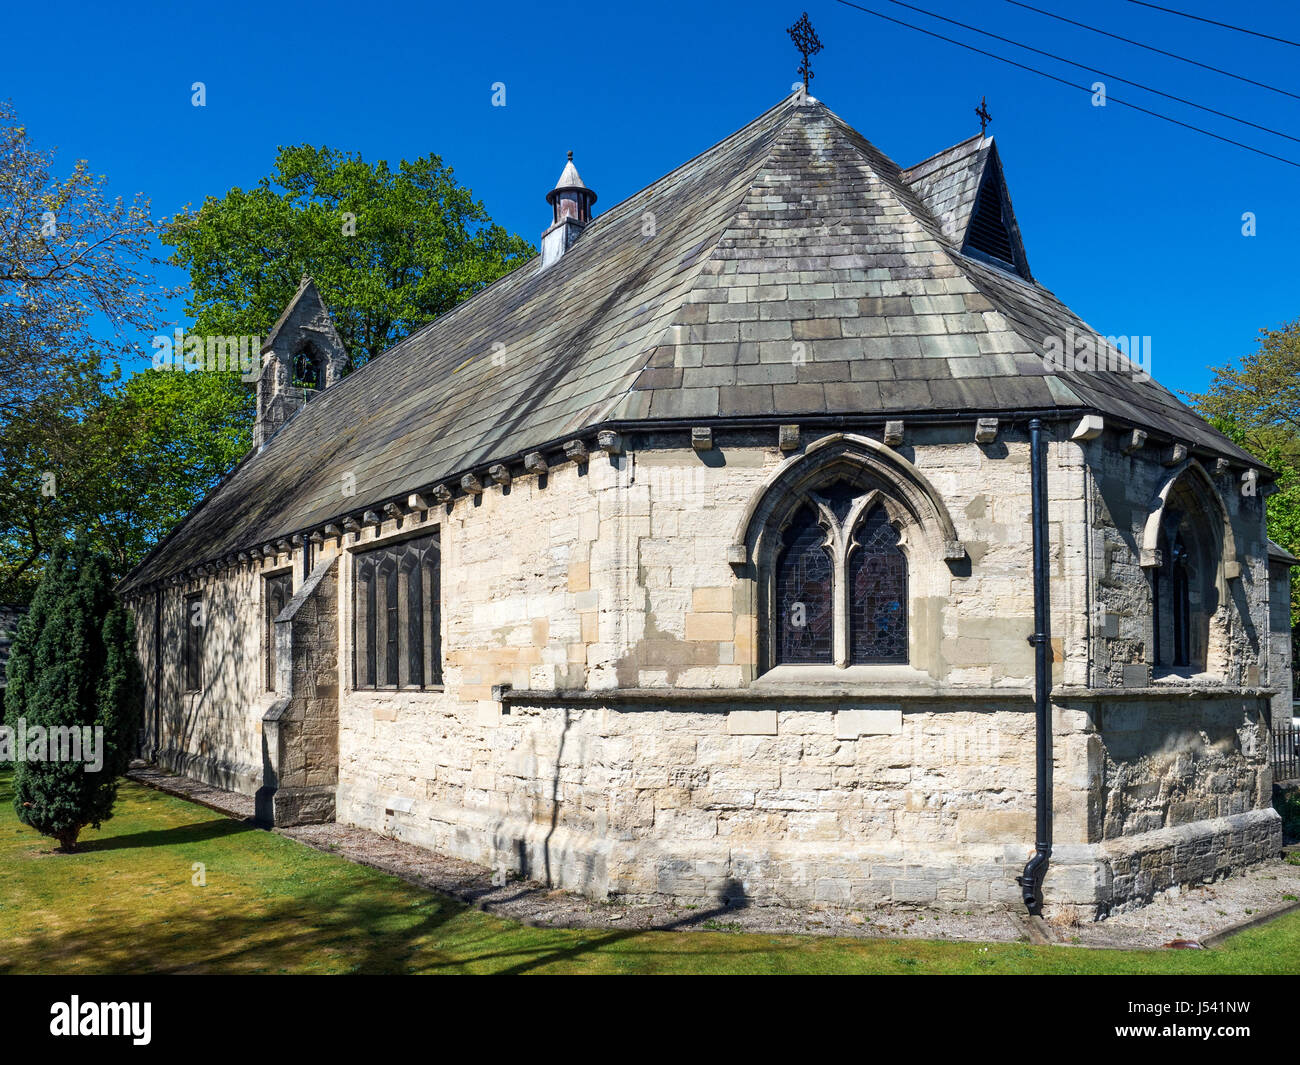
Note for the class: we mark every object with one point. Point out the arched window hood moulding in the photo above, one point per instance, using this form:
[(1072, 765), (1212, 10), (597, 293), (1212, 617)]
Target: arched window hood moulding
[(865, 455), (1202, 487)]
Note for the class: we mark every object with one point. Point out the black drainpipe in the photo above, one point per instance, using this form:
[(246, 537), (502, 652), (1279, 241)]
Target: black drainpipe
[(1031, 880)]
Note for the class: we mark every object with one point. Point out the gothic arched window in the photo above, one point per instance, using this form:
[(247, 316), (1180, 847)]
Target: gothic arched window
[(839, 587)]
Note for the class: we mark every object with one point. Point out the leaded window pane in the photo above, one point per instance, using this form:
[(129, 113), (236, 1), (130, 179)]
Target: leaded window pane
[(279, 590), (413, 607), (433, 617), (388, 575), (804, 580), (1179, 564), (877, 578), (366, 625), (396, 603)]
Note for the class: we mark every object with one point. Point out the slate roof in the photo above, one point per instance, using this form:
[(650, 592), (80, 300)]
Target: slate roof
[(794, 230), (946, 183), (1278, 553)]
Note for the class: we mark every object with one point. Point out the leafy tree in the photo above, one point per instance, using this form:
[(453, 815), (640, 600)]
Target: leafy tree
[(75, 295), (125, 460), (1260, 397), (390, 250), (138, 461), (73, 664), (68, 253), (153, 449)]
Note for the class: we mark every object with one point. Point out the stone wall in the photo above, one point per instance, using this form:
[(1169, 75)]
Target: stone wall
[(300, 732), (1165, 778), (1121, 491), (1156, 790), (214, 734), (614, 577), (924, 801), (1281, 667), (603, 724)]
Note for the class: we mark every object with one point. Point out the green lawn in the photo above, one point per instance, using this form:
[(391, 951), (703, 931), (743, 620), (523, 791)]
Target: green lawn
[(125, 904)]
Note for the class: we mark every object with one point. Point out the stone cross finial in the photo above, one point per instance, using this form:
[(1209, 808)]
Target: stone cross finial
[(806, 40)]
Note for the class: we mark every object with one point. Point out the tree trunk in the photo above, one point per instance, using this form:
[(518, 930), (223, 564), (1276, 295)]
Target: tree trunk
[(68, 839)]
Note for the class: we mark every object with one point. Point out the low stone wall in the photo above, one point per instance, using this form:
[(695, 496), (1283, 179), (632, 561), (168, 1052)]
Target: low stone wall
[(921, 801), (1166, 787)]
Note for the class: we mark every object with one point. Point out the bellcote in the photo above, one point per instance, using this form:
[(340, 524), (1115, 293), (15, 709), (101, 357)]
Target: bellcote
[(302, 355)]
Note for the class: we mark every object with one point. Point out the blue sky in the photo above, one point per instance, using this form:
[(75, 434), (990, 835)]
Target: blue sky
[(1135, 223)]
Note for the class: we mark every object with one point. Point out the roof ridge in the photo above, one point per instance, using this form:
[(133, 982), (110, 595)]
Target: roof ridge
[(907, 197), (785, 101)]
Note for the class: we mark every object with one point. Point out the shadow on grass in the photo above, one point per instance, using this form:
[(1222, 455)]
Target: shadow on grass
[(365, 927), (353, 929), (217, 828)]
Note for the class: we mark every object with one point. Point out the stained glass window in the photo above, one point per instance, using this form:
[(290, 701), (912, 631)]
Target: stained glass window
[(804, 581), (877, 579), (396, 624)]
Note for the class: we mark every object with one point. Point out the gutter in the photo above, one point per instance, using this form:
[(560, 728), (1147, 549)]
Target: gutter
[(1031, 880)]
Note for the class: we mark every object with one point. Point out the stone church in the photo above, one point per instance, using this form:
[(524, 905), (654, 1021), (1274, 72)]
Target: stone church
[(699, 557)]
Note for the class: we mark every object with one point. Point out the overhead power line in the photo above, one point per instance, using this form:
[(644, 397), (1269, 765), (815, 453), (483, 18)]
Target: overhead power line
[(1224, 25), (1158, 51), (1096, 70), (1071, 85)]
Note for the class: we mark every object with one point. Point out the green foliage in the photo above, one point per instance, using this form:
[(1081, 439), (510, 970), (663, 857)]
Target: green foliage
[(124, 470), (72, 258), (1261, 395), (389, 250), (125, 461), (156, 447), (73, 664)]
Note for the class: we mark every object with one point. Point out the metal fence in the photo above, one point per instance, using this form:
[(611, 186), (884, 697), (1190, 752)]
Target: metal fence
[(1285, 753)]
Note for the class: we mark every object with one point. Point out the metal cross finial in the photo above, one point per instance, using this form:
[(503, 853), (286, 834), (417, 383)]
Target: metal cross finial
[(806, 40), (984, 116)]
